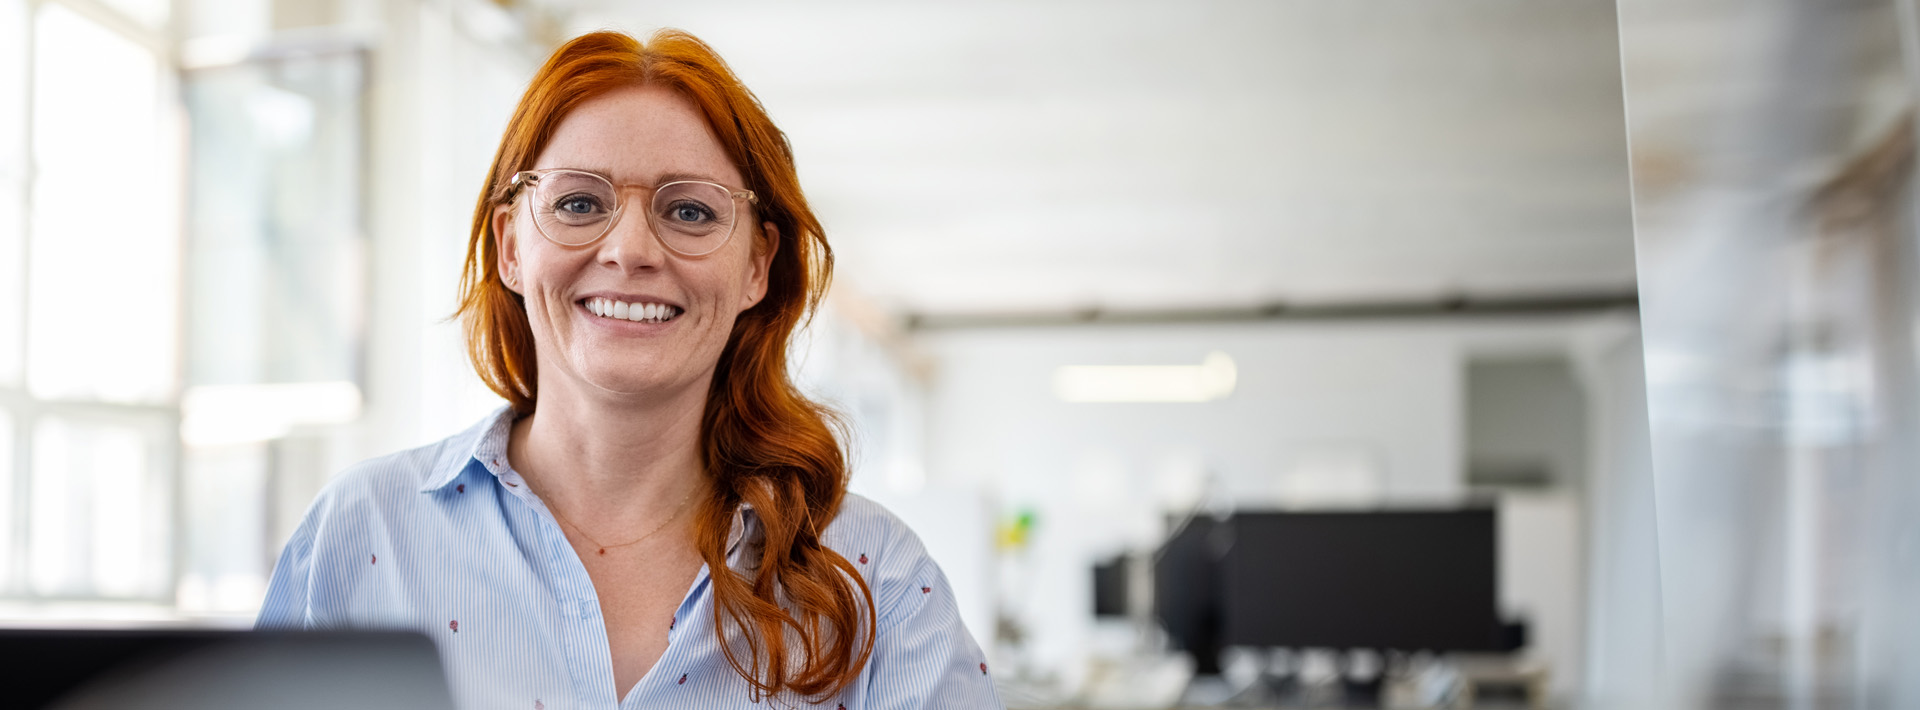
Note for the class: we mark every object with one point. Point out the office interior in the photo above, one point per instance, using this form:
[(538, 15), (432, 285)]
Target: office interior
[(1618, 296)]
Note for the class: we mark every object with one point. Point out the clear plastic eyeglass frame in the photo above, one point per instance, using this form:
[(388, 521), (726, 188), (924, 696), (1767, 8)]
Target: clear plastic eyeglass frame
[(688, 217)]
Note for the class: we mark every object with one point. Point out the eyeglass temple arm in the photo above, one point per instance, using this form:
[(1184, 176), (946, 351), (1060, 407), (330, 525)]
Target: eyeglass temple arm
[(522, 179)]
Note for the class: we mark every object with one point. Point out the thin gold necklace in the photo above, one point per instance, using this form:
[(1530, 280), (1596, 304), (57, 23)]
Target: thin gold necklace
[(677, 510)]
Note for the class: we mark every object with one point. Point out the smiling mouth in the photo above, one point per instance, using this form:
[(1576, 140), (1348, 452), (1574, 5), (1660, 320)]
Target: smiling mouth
[(636, 312)]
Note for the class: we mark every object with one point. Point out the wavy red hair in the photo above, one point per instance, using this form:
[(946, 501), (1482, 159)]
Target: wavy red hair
[(802, 621)]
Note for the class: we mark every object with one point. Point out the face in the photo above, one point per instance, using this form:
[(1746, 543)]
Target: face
[(643, 136)]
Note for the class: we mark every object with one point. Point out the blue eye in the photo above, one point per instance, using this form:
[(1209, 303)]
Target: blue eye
[(578, 204), (691, 212)]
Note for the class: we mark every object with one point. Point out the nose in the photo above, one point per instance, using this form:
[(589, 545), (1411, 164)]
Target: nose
[(630, 243)]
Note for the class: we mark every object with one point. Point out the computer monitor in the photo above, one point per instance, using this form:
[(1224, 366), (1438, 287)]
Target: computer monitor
[(1386, 579), (1110, 586), (1186, 590)]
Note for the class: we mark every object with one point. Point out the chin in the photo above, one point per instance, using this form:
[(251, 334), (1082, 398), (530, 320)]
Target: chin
[(626, 381), (635, 375)]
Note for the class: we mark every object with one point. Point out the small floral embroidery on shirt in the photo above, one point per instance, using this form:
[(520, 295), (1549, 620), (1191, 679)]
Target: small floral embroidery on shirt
[(461, 488), (455, 625), (983, 669), (373, 559), (926, 590), (683, 679), (537, 705), (863, 558), (840, 706)]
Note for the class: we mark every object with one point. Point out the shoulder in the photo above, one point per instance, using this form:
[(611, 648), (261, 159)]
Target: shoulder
[(381, 512), (388, 484), (393, 474), (864, 527), (928, 657), (887, 553)]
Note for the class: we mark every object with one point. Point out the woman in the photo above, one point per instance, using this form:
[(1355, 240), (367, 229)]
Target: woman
[(658, 518)]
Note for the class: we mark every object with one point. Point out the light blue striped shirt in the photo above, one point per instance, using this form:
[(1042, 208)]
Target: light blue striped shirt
[(447, 539)]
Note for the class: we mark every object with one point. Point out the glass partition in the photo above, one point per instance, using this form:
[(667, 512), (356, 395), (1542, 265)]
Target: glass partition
[(1773, 147)]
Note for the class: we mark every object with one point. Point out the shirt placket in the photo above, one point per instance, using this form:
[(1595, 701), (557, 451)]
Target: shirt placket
[(583, 635), (662, 685), (666, 685)]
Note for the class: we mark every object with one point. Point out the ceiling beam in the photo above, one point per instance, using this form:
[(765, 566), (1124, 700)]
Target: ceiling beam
[(1448, 307)]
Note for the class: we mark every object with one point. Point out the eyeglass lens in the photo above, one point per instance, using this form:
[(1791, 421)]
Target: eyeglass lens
[(575, 208)]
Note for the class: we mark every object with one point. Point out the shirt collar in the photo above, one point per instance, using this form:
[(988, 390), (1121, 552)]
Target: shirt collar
[(484, 444), (744, 522), (488, 448), (746, 542)]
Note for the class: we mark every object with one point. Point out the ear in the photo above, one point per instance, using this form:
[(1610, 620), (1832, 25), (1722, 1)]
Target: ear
[(761, 263), (507, 255)]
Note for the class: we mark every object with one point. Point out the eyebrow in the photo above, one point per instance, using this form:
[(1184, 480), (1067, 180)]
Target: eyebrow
[(664, 178)]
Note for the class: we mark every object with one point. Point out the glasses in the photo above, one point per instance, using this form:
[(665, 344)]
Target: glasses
[(575, 208)]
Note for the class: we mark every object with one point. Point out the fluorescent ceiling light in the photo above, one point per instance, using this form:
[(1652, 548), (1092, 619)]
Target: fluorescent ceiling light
[(1212, 379)]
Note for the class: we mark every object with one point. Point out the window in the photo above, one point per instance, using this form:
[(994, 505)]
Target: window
[(90, 327)]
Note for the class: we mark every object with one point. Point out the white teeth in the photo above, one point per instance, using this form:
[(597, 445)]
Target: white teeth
[(638, 312)]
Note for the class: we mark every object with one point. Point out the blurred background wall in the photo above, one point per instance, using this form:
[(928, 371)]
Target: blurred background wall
[(236, 227)]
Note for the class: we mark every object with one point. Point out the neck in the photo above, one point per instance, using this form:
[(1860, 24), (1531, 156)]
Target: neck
[(610, 466)]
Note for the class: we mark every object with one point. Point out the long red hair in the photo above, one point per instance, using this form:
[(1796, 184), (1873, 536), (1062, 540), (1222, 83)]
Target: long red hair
[(802, 621)]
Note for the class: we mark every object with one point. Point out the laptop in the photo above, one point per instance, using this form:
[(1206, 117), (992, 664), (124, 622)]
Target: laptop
[(211, 669)]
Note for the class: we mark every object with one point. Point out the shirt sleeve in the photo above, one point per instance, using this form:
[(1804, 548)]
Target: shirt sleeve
[(287, 605), (923, 657)]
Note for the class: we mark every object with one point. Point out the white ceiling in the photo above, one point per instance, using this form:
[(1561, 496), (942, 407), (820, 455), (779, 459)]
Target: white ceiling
[(993, 157)]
